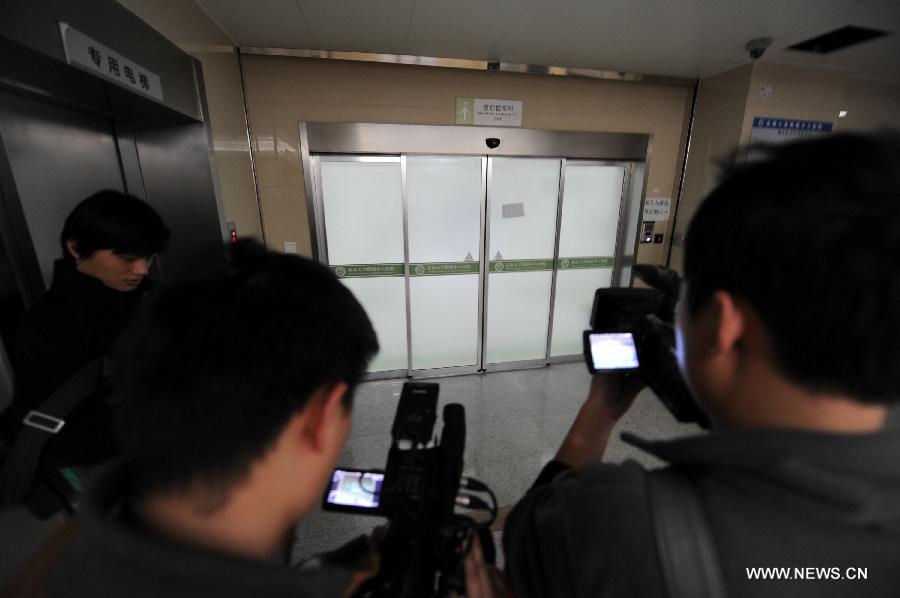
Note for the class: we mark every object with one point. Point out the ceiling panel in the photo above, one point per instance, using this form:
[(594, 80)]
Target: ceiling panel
[(359, 25), (269, 24), (615, 35), (463, 28)]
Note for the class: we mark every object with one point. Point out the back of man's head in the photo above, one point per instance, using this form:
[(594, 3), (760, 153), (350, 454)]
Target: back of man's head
[(810, 237), (114, 220), (213, 369)]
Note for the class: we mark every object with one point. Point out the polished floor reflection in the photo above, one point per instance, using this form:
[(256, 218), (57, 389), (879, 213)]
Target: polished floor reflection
[(515, 422)]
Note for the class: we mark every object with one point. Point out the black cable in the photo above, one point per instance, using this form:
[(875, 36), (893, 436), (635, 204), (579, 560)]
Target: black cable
[(473, 484)]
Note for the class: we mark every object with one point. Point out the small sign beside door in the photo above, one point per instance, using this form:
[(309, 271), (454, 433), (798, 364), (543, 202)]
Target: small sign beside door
[(657, 208), (488, 112)]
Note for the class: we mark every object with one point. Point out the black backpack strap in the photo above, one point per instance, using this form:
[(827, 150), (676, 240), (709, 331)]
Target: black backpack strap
[(687, 553), (38, 426)]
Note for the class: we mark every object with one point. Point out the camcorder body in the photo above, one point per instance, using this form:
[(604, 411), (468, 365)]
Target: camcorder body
[(648, 315), (423, 551)]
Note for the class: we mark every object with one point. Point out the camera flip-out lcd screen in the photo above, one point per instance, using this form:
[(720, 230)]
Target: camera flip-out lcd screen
[(354, 490), (612, 351)]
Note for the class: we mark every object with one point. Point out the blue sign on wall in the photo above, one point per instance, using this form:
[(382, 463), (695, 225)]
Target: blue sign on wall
[(791, 126), (769, 130)]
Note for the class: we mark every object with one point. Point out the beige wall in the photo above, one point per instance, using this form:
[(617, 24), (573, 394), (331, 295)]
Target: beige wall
[(282, 91), (718, 116), (819, 94), (727, 104), (191, 29)]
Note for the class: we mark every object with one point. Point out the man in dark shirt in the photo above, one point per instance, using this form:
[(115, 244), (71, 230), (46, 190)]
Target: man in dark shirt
[(235, 391), (108, 243), (787, 332)]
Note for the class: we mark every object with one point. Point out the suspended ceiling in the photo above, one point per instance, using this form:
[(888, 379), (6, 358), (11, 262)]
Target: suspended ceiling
[(676, 38)]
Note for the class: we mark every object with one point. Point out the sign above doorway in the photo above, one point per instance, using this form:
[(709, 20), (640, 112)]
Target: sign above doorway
[(497, 113)]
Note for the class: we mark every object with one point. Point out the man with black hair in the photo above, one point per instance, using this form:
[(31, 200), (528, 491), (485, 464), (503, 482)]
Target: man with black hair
[(108, 243), (787, 332), (235, 397)]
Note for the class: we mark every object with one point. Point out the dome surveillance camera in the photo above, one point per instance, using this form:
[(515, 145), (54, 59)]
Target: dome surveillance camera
[(757, 47), (492, 142)]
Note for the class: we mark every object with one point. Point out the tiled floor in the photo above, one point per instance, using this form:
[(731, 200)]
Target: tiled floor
[(515, 422)]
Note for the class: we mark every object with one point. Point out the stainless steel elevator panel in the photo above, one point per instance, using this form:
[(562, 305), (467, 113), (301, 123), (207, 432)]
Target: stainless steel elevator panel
[(58, 157)]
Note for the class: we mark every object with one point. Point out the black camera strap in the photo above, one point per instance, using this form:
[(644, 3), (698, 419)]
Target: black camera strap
[(687, 553), (17, 473)]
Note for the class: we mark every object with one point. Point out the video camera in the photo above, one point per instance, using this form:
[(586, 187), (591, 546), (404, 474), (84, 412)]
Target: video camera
[(632, 330), (427, 541)]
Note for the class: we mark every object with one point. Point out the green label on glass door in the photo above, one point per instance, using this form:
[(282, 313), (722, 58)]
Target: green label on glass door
[(577, 263), (443, 268), (501, 266), (367, 270)]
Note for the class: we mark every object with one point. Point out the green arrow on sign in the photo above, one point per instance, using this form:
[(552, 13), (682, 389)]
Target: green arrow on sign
[(465, 111)]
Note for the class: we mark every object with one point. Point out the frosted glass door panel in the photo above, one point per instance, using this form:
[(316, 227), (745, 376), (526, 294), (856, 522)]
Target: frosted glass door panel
[(384, 300), (443, 208), (444, 313), (572, 308), (363, 211), (524, 194), (590, 210), (523, 202), (518, 304), (587, 245), (444, 215)]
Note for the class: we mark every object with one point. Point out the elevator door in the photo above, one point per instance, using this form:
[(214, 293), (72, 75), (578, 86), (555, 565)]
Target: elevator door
[(57, 157)]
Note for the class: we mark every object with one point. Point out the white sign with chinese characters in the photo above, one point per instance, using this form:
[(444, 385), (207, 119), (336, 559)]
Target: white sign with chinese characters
[(94, 57), (498, 113), (657, 208)]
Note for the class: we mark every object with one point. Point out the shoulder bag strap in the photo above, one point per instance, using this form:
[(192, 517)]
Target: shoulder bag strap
[(687, 553), (37, 428)]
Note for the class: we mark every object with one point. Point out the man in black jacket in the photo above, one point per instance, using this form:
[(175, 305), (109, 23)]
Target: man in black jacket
[(235, 402), (787, 331), (108, 243)]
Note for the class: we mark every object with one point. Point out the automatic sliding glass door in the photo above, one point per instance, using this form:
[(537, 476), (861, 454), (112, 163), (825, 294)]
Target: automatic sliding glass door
[(468, 262), (590, 207), (445, 198), (362, 207), (523, 197)]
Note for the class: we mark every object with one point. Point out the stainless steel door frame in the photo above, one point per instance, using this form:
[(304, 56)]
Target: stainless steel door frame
[(620, 232), (483, 265), (403, 199), (381, 139), (457, 370), (559, 209), (485, 261)]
